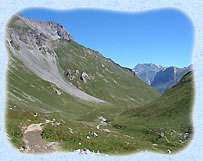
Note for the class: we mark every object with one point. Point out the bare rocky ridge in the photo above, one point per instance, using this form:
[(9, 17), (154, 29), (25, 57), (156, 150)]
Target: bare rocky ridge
[(48, 30), (35, 50)]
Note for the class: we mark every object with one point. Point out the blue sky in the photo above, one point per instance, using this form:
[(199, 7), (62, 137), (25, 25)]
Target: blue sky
[(163, 37)]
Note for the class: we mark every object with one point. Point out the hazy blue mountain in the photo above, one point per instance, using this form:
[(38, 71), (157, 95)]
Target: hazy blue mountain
[(168, 77), (159, 77), (147, 72)]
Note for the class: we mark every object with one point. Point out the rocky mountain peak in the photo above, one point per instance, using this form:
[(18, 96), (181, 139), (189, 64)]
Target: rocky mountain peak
[(60, 30), (48, 30)]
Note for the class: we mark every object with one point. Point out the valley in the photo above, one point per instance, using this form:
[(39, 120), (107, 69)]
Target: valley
[(78, 99)]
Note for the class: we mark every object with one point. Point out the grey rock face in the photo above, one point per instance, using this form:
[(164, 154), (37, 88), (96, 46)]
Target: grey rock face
[(85, 77), (48, 30)]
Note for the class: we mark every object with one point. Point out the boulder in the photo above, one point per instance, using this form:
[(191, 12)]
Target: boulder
[(93, 134), (77, 72), (57, 91), (168, 151), (161, 135), (106, 130), (69, 75), (85, 77)]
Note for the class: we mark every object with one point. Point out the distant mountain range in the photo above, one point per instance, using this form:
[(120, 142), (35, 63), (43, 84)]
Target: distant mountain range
[(159, 77)]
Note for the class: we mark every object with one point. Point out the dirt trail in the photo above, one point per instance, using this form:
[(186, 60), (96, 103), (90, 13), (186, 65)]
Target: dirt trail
[(35, 143)]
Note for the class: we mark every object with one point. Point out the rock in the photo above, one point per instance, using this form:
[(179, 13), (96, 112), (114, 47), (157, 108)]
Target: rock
[(102, 118), (77, 72), (60, 31), (57, 91), (43, 35), (98, 126), (77, 151), (161, 135), (130, 70), (93, 134), (168, 151), (51, 143), (71, 130), (106, 130), (58, 123), (35, 114), (69, 75), (38, 41), (85, 151), (85, 77), (103, 123), (33, 127)]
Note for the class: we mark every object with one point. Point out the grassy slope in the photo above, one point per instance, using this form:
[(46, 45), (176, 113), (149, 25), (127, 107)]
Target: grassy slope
[(162, 115), (170, 114), (116, 85), (33, 95)]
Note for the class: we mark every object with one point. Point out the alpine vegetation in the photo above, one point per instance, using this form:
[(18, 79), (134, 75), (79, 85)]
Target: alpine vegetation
[(62, 96)]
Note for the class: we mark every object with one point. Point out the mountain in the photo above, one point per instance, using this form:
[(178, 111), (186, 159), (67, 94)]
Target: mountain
[(172, 112), (64, 96), (159, 77), (51, 53), (147, 72), (168, 77)]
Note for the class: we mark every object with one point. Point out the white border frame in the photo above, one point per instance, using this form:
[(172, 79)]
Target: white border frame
[(193, 8)]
